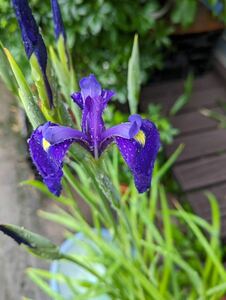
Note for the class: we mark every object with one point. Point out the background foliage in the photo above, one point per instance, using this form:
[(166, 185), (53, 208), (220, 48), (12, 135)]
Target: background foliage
[(100, 33)]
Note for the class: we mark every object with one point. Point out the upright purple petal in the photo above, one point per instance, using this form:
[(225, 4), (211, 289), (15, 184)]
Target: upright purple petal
[(48, 155), (57, 19), (32, 39), (92, 100), (140, 153), (93, 124), (90, 87), (77, 98), (106, 95)]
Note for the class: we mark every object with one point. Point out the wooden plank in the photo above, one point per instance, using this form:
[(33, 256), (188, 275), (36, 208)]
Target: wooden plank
[(201, 206), (206, 98), (166, 96), (200, 203), (201, 173), (194, 122), (199, 145)]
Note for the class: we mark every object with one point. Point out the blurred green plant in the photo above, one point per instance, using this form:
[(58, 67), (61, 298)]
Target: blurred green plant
[(167, 265), (148, 237), (108, 27)]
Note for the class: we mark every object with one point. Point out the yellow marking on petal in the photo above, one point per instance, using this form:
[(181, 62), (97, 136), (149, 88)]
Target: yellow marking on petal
[(140, 137), (45, 144)]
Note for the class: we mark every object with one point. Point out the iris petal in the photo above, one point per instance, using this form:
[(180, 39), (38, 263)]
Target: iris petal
[(77, 98), (125, 130), (49, 162), (90, 87), (140, 157), (57, 18), (56, 134), (32, 39), (106, 95)]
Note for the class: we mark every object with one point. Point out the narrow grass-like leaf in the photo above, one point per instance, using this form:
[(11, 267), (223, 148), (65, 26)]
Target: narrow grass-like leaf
[(168, 164), (44, 286), (134, 80), (183, 99), (203, 241), (43, 188), (167, 228), (6, 72), (30, 106)]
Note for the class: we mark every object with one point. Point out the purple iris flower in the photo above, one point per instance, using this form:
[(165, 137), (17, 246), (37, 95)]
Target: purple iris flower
[(137, 140), (32, 39), (57, 19)]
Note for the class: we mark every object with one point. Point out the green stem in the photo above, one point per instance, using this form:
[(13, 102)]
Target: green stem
[(81, 264)]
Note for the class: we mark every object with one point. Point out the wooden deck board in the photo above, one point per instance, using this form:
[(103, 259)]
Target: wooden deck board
[(194, 122), (201, 173), (202, 165), (205, 98), (200, 203), (166, 95), (199, 145)]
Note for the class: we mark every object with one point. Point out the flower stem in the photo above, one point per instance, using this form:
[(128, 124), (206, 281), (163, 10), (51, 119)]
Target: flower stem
[(81, 264)]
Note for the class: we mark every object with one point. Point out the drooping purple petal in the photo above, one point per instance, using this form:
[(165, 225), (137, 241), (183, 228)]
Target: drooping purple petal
[(48, 145), (140, 153), (32, 39), (125, 130), (136, 119), (56, 134), (121, 130), (57, 19)]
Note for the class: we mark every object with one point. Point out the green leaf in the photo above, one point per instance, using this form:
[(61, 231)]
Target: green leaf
[(30, 106), (39, 81), (183, 99), (6, 73), (168, 164), (38, 78), (167, 229), (34, 243), (44, 286), (134, 79), (66, 76)]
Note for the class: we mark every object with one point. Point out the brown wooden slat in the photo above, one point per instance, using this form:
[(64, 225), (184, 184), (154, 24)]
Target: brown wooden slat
[(200, 203), (193, 122), (209, 81), (165, 96), (206, 98), (201, 206), (201, 173), (198, 145)]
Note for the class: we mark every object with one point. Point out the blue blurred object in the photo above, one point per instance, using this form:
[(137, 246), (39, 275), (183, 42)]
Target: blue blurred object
[(217, 8), (76, 246)]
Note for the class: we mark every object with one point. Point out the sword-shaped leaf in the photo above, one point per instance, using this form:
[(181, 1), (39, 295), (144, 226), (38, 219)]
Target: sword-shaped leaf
[(133, 79)]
